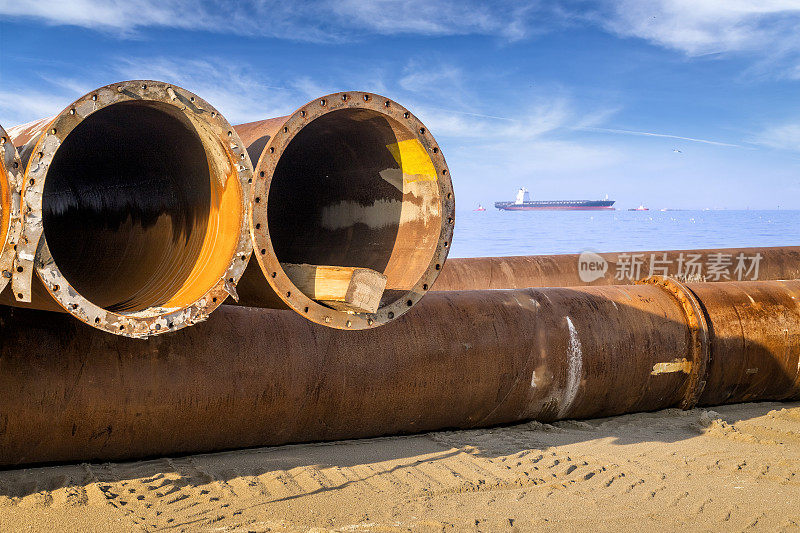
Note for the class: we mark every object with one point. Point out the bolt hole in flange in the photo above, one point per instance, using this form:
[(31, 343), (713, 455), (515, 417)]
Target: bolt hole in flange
[(356, 187)]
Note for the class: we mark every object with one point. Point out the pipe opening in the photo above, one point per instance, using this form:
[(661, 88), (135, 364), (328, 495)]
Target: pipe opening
[(356, 188), (127, 203)]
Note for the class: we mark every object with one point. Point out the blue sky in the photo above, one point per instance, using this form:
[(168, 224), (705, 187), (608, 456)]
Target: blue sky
[(574, 100)]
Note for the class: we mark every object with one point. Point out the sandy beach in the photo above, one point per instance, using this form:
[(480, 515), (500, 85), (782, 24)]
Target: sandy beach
[(733, 468)]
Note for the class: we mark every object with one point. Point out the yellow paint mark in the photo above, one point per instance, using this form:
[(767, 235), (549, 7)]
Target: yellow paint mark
[(414, 161), (677, 365)]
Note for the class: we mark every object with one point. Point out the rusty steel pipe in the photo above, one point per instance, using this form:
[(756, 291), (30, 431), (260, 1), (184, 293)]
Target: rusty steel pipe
[(250, 377), (135, 207), (622, 268), (754, 343), (10, 223), (350, 179)]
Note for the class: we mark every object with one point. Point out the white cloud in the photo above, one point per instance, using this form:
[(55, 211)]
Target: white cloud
[(545, 117), (123, 15), (312, 88), (19, 105), (312, 20), (782, 137), (698, 27), (432, 79), (240, 94), (442, 17), (74, 86), (515, 137), (770, 28)]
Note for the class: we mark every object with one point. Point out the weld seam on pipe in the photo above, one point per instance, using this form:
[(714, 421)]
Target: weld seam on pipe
[(697, 321)]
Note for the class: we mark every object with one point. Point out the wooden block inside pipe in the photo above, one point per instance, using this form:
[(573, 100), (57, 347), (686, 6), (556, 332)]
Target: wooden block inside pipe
[(353, 289)]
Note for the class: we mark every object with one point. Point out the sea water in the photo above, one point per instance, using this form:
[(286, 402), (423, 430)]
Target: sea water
[(502, 233)]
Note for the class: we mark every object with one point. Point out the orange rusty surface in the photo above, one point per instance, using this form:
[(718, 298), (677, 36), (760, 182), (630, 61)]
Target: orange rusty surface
[(517, 272), (458, 360)]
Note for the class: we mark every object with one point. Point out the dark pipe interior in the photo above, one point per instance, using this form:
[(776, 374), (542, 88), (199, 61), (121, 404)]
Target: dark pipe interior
[(126, 201), (329, 203)]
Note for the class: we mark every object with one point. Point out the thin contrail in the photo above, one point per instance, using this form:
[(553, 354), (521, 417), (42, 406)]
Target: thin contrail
[(666, 136), (473, 114)]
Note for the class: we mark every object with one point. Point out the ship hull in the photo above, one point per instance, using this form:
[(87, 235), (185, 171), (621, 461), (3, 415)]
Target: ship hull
[(577, 208), (581, 205)]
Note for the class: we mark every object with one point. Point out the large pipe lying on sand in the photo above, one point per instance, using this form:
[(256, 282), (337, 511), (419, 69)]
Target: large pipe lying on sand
[(135, 210), (251, 377), (10, 224), (619, 268), (351, 179)]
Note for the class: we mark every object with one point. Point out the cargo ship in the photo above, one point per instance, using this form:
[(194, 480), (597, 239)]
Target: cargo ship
[(524, 203)]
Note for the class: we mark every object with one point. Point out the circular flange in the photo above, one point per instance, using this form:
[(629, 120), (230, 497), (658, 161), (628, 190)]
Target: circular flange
[(10, 224), (224, 150), (264, 171), (700, 337)]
